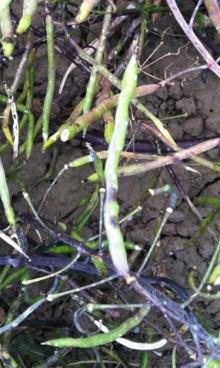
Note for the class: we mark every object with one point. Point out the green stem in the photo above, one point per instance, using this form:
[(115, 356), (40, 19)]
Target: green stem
[(205, 277), (84, 217), (183, 154), (205, 223), (5, 197), (51, 77), (91, 87), (116, 82), (73, 127)]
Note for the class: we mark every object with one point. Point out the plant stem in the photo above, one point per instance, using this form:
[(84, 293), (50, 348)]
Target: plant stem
[(214, 12), (91, 87), (206, 275), (116, 82), (111, 211), (51, 77), (188, 153), (68, 130), (5, 197), (212, 64)]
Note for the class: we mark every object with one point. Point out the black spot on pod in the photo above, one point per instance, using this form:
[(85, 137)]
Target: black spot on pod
[(175, 159), (112, 194), (114, 221)]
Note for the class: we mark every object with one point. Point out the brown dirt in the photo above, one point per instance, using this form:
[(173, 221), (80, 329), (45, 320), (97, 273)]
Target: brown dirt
[(199, 99)]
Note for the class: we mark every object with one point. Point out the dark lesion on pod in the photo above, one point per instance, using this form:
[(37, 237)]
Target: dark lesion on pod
[(112, 194), (114, 221)]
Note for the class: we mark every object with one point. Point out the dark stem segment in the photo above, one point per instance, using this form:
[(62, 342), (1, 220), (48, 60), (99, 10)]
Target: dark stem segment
[(48, 261), (139, 146), (58, 235), (177, 313), (142, 286), (61, 262)]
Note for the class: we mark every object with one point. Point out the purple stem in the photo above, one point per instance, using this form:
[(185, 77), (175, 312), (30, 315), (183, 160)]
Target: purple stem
[(47, 261), (61, 261), (212, 64), (139, 146), (58, 235)]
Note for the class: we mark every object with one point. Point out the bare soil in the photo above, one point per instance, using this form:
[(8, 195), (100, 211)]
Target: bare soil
[(198, 95)]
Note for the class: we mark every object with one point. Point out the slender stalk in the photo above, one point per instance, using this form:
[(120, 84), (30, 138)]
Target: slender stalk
[(188, 153), (52, 297), (204, 226), (22, 316), (111, 210), (74, 126), (212, 64), (168, 212), (101, 215), (68, 132), (108, 116), (115, 81), (194, 13), (51, 77), (205, 276), (25, 60), (42, 278), (91, 87), (5, 197), (13, 310), (198, 292), (174, 358), (86, 214), (95, 138), (29, 141), (198, 160)]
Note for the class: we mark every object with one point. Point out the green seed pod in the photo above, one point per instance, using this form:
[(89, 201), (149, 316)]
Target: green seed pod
[(7, 32), (85, 9), (100, 339), (109, 126), (114, 235), (214, 278), (5, 198), (29, 8), (4, 4), (212, 363), (8, 48)]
